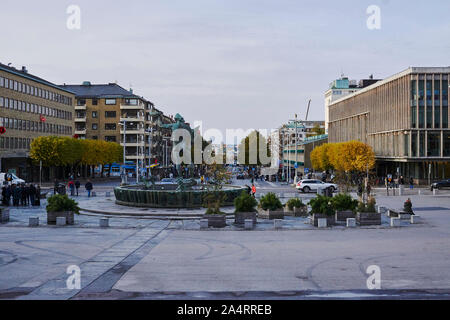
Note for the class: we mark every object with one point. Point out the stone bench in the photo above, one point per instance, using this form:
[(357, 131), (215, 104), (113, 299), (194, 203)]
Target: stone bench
[(33, 221), (104, 222), (278, 223), (61, 221)]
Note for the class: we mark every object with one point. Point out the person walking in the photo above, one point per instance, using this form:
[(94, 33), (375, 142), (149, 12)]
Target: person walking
[(5, 200), (32, 194), (77, 186), (16, 193), (411, 183), (55, 186), (71, 186), (37, 201), (89, 187), (253, 191)]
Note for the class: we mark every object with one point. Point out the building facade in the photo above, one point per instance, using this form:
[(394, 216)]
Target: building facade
[(30, 107), (340, 88), (111, 113), (404, 118)]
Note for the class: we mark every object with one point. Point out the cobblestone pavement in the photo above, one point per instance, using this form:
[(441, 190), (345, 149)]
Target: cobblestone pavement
[(147, 258)]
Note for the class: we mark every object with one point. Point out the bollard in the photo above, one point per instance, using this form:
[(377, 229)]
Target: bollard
[(322, 223), (415, 219), (33, 221), (419, 192), (434, 192), (351, 222), (107, 194), (395, 222), (400, 191), (278, 223), (248, 224), (204, 224), (61, 221), (104, 222), (93, 194)]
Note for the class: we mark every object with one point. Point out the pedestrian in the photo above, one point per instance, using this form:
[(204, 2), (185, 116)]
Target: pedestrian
[(77, 186), (5, 200), (32, 194), (401, 181), (16, 193), (38, 196), (71, 186), (253, 190), (55, 186), (23, 195), (88, 187), (411, 183)]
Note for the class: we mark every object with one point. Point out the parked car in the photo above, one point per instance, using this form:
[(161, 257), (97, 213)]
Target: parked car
[(313, 185), (241, 176), (11, 178), (440, 184)]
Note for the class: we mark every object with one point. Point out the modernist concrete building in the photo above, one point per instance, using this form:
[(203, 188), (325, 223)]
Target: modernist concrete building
[(340, 88), (30, 107), (404, 118)]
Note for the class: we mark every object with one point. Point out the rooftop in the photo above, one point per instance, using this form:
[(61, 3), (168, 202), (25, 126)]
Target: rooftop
[(25, 74), (410, 70), (88, 90)]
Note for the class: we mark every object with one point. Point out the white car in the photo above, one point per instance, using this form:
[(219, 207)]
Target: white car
[(313, 185), (10, 177)]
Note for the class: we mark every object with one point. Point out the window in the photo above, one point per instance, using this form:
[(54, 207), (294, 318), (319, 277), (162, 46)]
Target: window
[(94, 137), (81, 102), (94, 126), (94, 114), (110, 102), (110, 126), (94, 102), (110, 138), (433, 144), (110, 114)]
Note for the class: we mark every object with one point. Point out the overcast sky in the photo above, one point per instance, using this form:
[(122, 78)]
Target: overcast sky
[(230, 63)]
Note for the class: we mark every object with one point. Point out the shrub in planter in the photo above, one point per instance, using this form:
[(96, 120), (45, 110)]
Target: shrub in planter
[(245, 208), (297, 207), (321, 208), (345, 206), (212, 201), (271, 207), (61, 206), (367, 214)]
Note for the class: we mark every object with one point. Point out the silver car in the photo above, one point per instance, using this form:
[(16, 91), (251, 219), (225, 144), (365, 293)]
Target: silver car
[(314, 185)]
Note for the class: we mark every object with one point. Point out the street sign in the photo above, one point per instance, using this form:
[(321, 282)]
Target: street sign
[(296, 165), (306, 170)]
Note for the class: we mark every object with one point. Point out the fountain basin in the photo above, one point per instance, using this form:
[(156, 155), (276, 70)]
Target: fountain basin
[(166, 196)]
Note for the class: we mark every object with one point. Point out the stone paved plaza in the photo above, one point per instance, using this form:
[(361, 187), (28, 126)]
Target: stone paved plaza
[(148, 258)]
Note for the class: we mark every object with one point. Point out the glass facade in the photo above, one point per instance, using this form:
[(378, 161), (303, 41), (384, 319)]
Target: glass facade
[(421, 143), (433, 144), (413, 144), (421, 105), (446, 144)]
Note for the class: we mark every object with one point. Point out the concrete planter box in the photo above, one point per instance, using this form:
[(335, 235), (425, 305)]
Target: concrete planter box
[(368, 218), (404, 216), (4, 215), (297, 212), (316, 216), (216, 220), (240, 217), (271, 215), (342, 216), (69, 215)]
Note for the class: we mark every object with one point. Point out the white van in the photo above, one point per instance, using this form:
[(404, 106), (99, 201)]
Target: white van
[(11, 178)]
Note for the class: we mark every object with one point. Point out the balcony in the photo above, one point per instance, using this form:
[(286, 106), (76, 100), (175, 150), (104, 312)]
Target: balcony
[(80, 119), (82, 107), (132, 106), (132, 119), (133, 131), (80, 132), (133, 144), (134, 157)]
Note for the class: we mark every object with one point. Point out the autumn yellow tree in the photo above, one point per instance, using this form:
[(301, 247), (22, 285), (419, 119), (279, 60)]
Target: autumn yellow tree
[(320, 157)]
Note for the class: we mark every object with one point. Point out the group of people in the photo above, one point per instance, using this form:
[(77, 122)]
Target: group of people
[(74, 186), (21, 195)]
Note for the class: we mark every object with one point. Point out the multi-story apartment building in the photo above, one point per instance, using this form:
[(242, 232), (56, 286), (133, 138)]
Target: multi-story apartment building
[(404, 118), (112, 113), (342, 87), (30, 107)]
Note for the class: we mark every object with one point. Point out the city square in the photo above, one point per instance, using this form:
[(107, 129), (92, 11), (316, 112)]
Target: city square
[(204, 151)]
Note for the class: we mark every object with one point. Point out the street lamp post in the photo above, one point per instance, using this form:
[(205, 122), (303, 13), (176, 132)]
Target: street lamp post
[(296, 151), (150, 133), (124, 171)]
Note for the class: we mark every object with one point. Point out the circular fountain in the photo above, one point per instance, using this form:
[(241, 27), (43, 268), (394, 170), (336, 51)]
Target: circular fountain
[(183, 194)]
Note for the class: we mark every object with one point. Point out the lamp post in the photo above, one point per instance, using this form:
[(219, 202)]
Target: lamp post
[(124, 172), (296, 151), (150, 133)]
